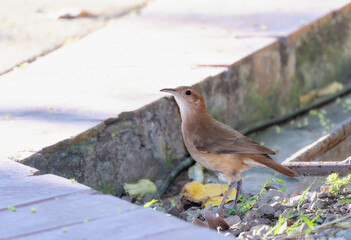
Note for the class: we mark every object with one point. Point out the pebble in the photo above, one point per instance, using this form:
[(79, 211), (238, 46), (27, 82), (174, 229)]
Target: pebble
[(266, 209), (313, 197), (303, 227), (346, 189), (250, 216), (232, 220), (277, 206), (277, 213), (277, 199), (287, 212), (295, 200), (340, 233), (245, 235), (347, 234), (305, 205), (331, 217), (271, 194), (259, 230), (318, 204), (322, 195)]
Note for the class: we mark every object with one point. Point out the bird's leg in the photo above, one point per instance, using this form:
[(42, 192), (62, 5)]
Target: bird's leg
[(220, 210), (238, 185)]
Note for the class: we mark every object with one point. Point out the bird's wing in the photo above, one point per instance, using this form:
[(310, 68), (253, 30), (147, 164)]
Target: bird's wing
[(224, 139)]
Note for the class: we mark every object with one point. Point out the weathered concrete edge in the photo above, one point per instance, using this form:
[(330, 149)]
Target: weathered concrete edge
[(265, 84), (121, 13), (123, 206)]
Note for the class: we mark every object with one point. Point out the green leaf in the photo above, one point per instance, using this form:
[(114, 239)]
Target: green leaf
[(307, 221), (344, 201), (303, 195), (315, 218), (12, 208), (282, 189)]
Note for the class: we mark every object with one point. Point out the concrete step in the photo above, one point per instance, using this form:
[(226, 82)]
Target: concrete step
[(51, 207)]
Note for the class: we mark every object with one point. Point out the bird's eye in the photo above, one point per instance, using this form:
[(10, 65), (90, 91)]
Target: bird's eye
[(188, 92)]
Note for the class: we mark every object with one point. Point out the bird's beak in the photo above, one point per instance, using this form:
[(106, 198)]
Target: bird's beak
[(168, 90)]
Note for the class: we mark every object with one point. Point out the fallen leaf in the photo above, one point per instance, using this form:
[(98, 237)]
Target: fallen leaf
[(206, 194), (214, 221), (198, 222), (321, 92), (289, 223), (307, 98), (330, 89), (141, 188)]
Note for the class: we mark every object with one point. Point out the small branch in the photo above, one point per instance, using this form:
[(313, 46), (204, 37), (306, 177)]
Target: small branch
[(320, 146), (319, 168), (183, 165)]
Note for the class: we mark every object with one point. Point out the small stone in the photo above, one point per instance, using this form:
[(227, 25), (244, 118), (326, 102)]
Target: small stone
[(287, 212), (319, 220), (148, 197), (303, 227), (277, 213), (347, 234), (266, 209), (277, 199), (245, 235), (276, 206), (305, 206), (250, 216), (322, 195), (175, 211), (331, 217), (346, 189), (232, 220), (295, 200), (329, 233), (313, 197), (340, 233), (271, 194), (318, 204), (259, 230)]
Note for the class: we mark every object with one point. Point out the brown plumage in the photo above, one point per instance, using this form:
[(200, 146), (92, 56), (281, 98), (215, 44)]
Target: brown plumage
[(217, 146)]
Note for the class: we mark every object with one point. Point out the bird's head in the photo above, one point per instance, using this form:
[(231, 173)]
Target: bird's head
[(187, 98)]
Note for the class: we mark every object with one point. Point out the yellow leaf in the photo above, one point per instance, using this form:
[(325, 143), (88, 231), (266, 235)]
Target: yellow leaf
[(330, 89), (206, 194), (141, 188), (307, 98)]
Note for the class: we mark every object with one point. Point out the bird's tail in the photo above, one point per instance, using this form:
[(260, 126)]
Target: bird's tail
[(269, 162)]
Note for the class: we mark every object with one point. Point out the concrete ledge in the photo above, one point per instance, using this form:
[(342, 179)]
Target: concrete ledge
[(51, 207), (262, 85)]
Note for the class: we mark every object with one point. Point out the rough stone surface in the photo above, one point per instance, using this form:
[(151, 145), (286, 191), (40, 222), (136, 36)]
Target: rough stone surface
[(266, 209), (232, 220), (346, 189), (259, 86), (319, 204), (295, 200), (260, 230), (347, 234), (250, 216), (27, 29)]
